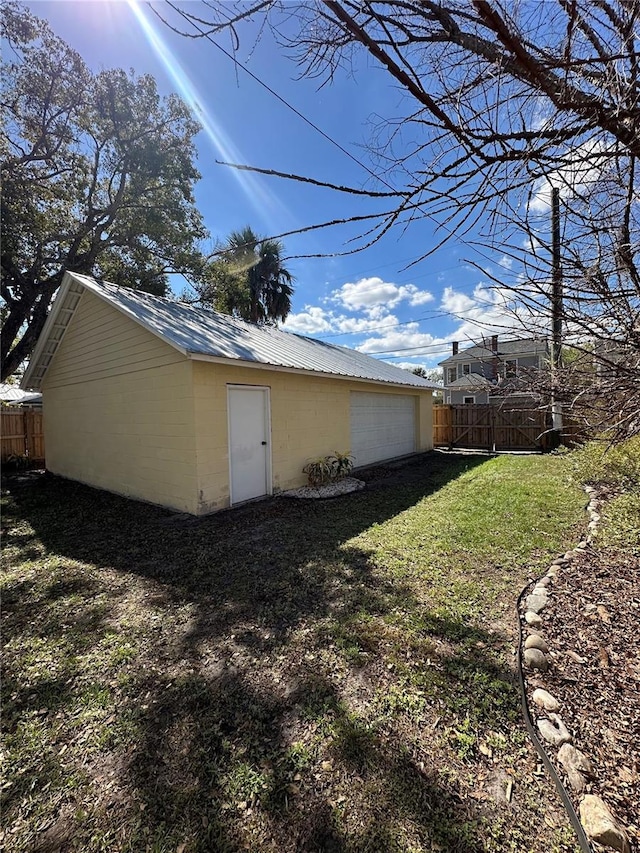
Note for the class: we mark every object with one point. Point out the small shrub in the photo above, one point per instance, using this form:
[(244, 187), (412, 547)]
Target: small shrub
[(17, 462), (342, 465), (328, 469), (613, 465), (319, 471)]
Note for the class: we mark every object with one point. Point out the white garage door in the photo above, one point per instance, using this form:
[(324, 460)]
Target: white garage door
[(382, 426)]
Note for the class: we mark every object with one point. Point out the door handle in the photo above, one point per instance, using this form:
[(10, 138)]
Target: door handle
[(263, 442)]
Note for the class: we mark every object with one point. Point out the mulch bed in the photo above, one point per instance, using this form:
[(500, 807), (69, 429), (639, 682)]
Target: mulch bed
[(591, 624)]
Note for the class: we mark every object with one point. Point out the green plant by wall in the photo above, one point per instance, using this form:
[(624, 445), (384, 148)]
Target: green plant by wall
[(17, 462), (328, 469), (318, 471), (342, 465)]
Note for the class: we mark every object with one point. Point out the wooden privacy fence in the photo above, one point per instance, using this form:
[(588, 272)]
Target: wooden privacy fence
[(491, 427), (22, 436)]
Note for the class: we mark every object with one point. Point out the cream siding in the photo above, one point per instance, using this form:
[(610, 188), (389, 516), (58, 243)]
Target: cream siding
[(310, 417), (126, 412), (118, 409)]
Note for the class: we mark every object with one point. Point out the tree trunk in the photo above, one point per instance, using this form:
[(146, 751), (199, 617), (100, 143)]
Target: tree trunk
[(13, 352)]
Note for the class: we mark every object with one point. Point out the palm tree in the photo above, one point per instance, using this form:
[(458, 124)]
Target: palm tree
[(250, 280)]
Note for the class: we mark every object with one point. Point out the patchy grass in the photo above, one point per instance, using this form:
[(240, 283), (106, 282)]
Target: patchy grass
[(621, 523), (333, 676), (615, 469)]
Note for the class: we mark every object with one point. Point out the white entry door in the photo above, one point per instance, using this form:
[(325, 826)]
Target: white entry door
[(249, 442), (383, 426)]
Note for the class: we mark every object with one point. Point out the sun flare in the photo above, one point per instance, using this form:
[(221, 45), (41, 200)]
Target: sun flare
[(261, 199)]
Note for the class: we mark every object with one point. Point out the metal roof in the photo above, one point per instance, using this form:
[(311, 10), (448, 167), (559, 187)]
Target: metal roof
[(14, 394), (202, 333)]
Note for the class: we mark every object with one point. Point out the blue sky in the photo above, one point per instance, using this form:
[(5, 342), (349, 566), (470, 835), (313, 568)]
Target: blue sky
[(368, 300)]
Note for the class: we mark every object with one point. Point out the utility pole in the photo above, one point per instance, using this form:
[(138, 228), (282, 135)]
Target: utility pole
[(556, 312)]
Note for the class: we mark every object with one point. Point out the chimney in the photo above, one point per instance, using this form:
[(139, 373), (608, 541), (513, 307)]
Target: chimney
[(454, 347), (495, 359)]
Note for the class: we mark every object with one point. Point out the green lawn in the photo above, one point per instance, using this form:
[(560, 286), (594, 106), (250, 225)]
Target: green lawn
[(287, 676)]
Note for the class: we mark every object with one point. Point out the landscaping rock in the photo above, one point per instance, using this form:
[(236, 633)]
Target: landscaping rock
[(553, 572), (538, 599), (532, 618), (545, 581), (544, 699), (553, 730), (535, 641), (535, 659), (560, 561), (577, 766), (497, 785), (600, 824)]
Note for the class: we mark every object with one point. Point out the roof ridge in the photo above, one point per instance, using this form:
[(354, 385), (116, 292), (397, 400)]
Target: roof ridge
[(218, 315)]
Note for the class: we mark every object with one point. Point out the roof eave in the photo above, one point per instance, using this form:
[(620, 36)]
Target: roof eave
[(26, 382), (238, 362), (69, 280)]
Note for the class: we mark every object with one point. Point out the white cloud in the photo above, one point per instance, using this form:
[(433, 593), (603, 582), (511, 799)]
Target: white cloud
[(491, 311), (456, 303), (311, 321), (418, 297), (584, 168), (373, 294), (364, 324), (314, 320), (402, 340), (487, 310), (397, 340)]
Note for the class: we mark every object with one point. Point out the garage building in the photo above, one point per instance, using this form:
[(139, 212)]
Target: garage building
[(197, 411)]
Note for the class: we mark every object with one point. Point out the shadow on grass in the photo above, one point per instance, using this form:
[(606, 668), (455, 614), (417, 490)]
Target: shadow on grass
[(221, 723), (305, 816), (271, 562)]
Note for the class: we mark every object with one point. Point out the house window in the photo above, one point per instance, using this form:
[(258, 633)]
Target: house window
[(468, 400), (451, 375), (466, 370), (511, 368)]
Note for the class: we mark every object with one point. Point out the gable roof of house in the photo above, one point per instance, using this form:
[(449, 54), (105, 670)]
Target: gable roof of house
[(204, 334), (470, 381), (478, 352)]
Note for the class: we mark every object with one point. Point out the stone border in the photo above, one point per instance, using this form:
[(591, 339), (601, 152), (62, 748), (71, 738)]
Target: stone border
[(598, 821), (331, 490)]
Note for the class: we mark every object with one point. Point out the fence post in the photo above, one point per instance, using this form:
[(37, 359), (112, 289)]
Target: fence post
[(492, 429), (28, 433)]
